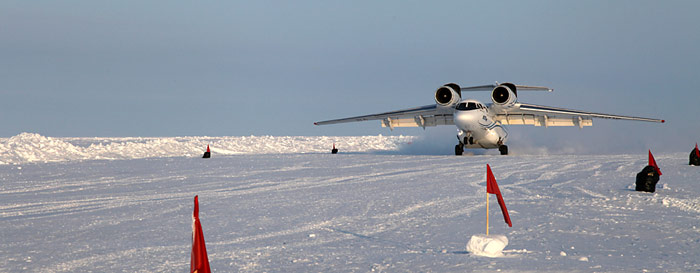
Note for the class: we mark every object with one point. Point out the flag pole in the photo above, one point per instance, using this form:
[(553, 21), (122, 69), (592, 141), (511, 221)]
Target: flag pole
[(487, 214)]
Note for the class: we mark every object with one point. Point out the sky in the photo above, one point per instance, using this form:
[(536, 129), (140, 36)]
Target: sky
[(238, 68)]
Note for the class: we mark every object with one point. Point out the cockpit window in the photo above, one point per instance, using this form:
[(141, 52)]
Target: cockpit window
[(465, 106)]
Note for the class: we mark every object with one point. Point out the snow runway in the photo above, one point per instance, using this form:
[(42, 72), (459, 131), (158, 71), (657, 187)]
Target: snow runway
[(348, 212)]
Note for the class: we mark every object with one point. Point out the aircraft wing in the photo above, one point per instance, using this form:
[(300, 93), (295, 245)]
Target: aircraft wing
[(429, 115), (537, 115)]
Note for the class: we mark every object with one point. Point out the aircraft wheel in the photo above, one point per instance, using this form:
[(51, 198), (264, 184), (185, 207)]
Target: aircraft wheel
[(459, 150), (503, 149)]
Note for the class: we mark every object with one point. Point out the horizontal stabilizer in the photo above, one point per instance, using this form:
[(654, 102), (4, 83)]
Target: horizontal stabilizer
[(519, 88)]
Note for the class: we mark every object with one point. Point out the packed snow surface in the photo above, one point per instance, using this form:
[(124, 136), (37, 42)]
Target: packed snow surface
[(350, 212)]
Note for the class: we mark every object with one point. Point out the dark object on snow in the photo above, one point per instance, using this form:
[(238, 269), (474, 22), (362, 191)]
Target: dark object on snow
[(334, 150), (503, 149), (207, 154), (647, 179), (694, 157)]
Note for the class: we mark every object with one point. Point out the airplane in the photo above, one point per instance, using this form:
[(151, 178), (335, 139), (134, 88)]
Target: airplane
[(482, 125)]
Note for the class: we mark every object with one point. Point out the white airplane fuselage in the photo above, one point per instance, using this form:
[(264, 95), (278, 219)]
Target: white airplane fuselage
[(477, 127)]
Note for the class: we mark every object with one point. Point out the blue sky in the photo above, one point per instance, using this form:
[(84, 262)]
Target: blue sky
[(219, 68)]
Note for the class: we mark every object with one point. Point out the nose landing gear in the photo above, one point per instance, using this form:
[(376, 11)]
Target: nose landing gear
[(459, 149), (469, 140)]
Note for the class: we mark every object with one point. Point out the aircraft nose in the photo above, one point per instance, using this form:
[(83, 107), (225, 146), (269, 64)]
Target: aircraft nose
[(462, 119), (464, 115)]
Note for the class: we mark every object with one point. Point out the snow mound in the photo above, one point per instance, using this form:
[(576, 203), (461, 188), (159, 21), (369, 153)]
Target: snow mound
[(487, 245), (30, 147)]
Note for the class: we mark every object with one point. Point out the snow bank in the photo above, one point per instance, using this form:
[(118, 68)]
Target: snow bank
[(487, 245), (29, 147)]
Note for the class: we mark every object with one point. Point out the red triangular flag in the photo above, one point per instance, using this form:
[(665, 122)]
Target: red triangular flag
[(208, 151), (334, 146), (652, 162), (697, 152), (199, 262), (492, 187)]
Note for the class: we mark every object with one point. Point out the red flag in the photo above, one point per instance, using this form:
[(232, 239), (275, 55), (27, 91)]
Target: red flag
[(652, 162), (492, 187), (199, 263), (697, 152), (208, 151)]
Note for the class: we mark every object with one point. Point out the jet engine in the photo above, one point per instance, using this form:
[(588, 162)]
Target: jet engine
[(504, 94), (448, 95)]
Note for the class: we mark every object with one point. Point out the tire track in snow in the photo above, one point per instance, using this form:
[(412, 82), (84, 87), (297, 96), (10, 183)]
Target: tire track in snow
[(385, 222)]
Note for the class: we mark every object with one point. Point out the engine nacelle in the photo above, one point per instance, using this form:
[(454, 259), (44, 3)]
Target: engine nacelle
[(504, 94), (448, 95)]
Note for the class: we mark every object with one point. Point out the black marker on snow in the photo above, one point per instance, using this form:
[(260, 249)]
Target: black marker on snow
[(207, 154), (334, 151), (648, 177), (694, 156)]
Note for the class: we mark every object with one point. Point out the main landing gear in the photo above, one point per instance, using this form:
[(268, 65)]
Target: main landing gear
[(503, 149), (467, 139), (459, 149)]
